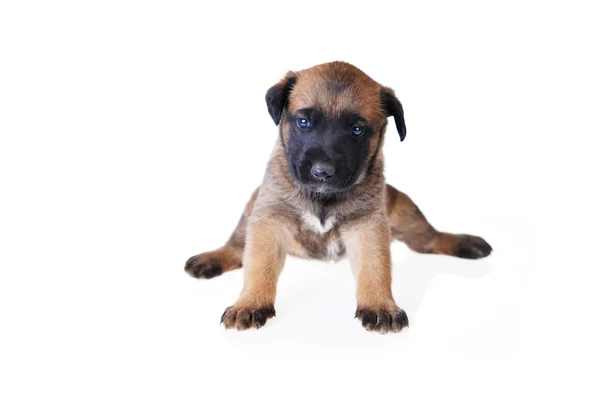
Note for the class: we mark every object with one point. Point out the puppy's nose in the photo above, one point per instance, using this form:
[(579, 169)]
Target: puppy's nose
[(323, 170)]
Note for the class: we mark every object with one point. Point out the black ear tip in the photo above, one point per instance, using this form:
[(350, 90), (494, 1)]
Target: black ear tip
[(274, 99), (393, 108), (277, 96)]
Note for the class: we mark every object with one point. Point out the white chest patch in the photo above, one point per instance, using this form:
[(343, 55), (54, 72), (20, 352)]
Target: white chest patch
[(333, 250), (311, 222)]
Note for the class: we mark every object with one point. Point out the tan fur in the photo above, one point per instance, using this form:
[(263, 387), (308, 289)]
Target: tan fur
[(370, 259), (277, 219)]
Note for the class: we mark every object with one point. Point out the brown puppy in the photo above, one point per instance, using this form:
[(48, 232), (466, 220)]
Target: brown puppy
[(324, 196)]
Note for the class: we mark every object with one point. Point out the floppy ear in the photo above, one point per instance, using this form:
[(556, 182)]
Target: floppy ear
[(277, 96), (393, 108)]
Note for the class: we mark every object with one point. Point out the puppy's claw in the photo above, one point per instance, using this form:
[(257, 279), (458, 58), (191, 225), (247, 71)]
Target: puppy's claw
[(242, 318), (382, 320), (200, 269), (472, 247)]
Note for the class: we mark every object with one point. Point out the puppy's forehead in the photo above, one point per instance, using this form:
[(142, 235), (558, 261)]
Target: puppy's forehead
[(335, 88)]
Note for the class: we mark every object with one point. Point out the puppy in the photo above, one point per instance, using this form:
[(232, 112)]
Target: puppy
[(324, 197)]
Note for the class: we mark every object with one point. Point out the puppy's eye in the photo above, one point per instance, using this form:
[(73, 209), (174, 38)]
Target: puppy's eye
[(303, 123), (357, 130)]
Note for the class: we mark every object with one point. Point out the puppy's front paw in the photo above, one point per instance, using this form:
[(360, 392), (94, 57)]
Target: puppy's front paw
[(472, 247), (382, 320), (242, 318)]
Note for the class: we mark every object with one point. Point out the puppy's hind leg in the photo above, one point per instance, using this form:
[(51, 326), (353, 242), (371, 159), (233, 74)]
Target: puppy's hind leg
[(408, 224), (227, 258)]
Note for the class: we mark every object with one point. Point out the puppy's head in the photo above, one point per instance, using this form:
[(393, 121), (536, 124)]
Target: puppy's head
[(332, 119)]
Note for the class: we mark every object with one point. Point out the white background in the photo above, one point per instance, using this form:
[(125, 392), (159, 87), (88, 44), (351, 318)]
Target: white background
[(132, 134)]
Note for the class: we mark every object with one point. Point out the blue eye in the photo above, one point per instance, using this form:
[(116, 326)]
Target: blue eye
[(303, 123), (357, 130)]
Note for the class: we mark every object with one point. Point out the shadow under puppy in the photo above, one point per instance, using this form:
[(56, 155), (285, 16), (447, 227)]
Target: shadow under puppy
[(324, 197)]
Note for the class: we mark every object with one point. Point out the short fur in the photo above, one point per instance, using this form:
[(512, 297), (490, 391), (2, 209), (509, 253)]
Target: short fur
[(353, 214)]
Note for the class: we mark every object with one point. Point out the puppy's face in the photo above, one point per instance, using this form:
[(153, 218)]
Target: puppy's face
[(332, 119)]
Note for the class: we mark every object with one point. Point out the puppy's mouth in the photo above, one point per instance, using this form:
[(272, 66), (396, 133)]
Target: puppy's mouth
[(322, 186)]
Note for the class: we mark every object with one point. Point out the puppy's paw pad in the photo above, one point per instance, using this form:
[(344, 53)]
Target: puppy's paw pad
[(242, 318), (382, 320), (200, 269), (472, 247)]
